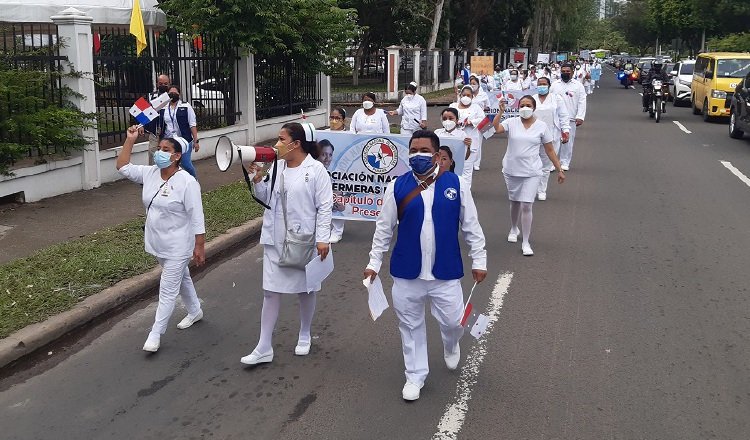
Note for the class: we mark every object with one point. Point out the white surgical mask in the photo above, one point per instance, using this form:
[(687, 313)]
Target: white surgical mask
[(513, 77), (449, 124), (465, 100), (367, 105), (526, 112), (474, 87)]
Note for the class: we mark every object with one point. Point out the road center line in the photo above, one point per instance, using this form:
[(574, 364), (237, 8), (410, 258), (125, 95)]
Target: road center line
[(682, 127), (640, 93), (736, 172), (455, 413)]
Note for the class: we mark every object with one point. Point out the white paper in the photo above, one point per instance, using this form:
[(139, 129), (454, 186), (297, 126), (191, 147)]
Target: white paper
[(480, 326), (316, 271), (376, 298)]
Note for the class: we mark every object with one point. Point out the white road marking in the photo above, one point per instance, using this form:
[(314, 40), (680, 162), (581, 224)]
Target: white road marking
[(632, 87), (682, 127), (736, 172), (455, 413), (640, 93)]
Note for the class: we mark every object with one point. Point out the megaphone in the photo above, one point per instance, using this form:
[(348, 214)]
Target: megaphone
[(228, 153)]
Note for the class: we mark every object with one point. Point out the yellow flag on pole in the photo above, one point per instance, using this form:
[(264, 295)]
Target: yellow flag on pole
[(136, 27)]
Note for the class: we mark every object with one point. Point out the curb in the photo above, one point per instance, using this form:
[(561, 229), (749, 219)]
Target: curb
[(35, 336)]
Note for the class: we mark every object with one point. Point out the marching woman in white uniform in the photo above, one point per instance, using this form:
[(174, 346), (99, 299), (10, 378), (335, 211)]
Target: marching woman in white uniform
[(413, 110), (303, 190), (174, 230), (469, 116), (522, 167), (369, 119), (450, 129), (514, 83), (429, 207), (337, 123), (550, 110)]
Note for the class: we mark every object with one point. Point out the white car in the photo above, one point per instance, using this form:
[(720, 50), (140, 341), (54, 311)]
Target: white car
[(205, 94), (682, 77)]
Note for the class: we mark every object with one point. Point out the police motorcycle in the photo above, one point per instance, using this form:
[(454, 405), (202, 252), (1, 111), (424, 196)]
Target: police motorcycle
[(625, 75), (657, 98)]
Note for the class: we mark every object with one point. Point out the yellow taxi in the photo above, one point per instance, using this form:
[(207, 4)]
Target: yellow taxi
[(715, 78)]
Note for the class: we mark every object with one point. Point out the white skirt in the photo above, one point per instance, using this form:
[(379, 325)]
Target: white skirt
[(282, 279), (522, 189)]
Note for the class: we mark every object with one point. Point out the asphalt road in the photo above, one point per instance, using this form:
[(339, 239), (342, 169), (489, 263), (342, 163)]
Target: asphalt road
[(630, 321)]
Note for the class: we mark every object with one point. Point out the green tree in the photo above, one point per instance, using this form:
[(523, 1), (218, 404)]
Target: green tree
[(731, 43)]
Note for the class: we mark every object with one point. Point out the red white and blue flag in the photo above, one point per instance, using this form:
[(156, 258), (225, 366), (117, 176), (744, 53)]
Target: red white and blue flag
[(486, 128), (143, 112)]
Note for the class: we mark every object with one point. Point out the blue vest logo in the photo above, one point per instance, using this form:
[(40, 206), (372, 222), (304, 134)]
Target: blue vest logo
[(450, 193), (380, 155)]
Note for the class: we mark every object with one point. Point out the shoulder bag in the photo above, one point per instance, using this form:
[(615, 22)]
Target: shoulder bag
[(298, 248)]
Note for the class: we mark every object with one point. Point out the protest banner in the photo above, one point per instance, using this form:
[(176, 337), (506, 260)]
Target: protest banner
[(511, 108), (483, 65), (362, 165), (562, 56), (519, 55), (585, 54), (542, 58)]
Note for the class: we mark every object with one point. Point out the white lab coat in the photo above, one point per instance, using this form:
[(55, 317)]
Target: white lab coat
[(412, 110), (468, 170), (552, 112), (513, 86), (377, 123), (473, 114), (573, 95), (309, 204), (409, 296)]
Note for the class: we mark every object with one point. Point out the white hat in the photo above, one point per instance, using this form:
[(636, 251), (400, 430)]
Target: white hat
[(310, 135), (183, 143)]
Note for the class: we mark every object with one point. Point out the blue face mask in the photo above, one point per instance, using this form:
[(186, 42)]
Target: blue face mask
[(543, 90), (162, 159), (421, 163)]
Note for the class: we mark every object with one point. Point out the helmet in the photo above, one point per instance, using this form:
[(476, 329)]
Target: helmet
[(656, 66)]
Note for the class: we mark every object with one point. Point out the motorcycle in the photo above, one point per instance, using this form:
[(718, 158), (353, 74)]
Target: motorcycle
[(658, 99), (625, 77)]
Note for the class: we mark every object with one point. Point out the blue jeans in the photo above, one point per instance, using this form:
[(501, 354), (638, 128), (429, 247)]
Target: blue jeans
[(186, 163)]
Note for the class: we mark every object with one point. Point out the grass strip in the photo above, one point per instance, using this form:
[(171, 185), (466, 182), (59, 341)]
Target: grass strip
[(56, 278)]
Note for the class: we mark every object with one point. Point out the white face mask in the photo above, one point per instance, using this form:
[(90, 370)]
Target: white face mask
[(465, 100), (409, 96), (449, 124), (513, 77), (474, 87), (367, 105), (526, 112)]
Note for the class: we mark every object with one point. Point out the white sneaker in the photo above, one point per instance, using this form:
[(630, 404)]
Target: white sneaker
[(476, 167), (513, 236), (410, 391), (256, 358), (452, 359), (526, 249), (302, 348), (335, 238), (190, 320), (541, 196), (565, 167), (152, 343)]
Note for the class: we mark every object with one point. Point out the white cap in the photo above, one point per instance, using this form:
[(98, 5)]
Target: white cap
[(310, 134)]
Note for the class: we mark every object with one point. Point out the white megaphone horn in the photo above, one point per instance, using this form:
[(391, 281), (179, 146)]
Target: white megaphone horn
[(228, 153)]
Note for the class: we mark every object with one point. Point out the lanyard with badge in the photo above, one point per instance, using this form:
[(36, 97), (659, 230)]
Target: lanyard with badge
[(175, 127), (165, 194)]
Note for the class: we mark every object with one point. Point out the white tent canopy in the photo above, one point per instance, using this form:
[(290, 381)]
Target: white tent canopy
[(104, 12)]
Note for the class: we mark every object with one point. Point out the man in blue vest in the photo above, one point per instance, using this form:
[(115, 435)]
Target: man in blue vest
[(178, 119), (430, 208)]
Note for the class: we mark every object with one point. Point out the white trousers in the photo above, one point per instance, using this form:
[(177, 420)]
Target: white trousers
[(479, 140), (547, 163), (175, 280), (468, 171), (446, 304), (566, 150), (337, 226), (406, 131)]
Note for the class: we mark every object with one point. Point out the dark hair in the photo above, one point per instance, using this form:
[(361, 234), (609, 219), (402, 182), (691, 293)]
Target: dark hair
[(175, 86), (324, 143), (514, 70), (533, 101), (177, 146), (543, 78), (341, 111), (426, 134), (411, 87), (370, 95), (448, 150), (297, 133), (474, 77), (449, 110)]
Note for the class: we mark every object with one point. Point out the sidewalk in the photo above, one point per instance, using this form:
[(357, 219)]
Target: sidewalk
[(26, 228)]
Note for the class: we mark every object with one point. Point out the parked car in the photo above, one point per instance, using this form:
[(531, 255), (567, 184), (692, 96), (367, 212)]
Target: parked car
[(715, 78), (739, 109), (206, 94), (682, 77)]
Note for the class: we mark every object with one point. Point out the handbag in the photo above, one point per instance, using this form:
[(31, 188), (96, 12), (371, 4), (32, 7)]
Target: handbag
[(298, 248)]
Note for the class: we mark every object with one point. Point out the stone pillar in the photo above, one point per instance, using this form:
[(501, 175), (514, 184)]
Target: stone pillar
[(417, 62), (74, 31), (246, 94), (185, 81), (392, 76), (435, 60), (452, 53), (325, 93)]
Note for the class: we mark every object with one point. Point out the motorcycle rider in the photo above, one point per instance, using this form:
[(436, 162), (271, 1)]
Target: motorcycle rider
[(654, 73)]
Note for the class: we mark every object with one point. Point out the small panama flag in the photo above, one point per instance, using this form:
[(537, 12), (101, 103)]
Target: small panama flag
[(486, 128), (143, 112), (160, 101), (474, 321)]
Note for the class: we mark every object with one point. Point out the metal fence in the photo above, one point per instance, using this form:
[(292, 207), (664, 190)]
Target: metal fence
[(371, 71), (283, 87), (425, 67), (205, 70), (405, 68), (31, 48)]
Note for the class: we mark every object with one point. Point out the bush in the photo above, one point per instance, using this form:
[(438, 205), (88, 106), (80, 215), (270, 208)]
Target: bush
[(731, 43)]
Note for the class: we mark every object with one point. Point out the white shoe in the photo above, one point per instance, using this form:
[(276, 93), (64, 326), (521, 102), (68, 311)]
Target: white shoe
[(476, 167), (513, 236), (256, 358), (410, 391), (565, 167), (152, 343), (452, 359), (302, 348), (190, 320), (541, 196), (526, 249), (335, 238)]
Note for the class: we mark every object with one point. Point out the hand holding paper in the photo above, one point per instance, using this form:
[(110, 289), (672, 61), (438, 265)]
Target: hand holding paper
[(318, 270), (376, 297)]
